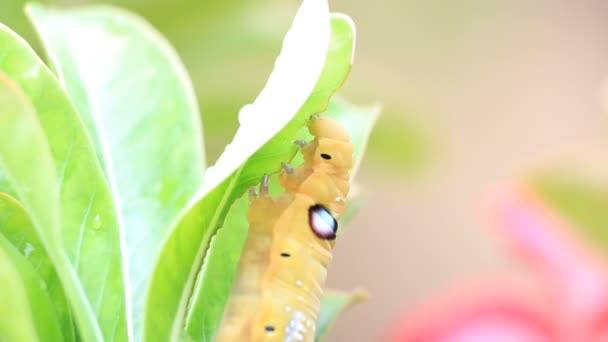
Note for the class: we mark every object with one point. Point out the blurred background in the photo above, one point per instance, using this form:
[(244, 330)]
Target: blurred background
[(475, 92)]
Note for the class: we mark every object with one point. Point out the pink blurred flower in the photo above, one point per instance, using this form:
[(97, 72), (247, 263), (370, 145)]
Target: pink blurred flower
[(567, 303)]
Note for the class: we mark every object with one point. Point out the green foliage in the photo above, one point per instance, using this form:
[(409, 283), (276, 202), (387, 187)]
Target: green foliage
[(582, 200), (228, 48), (400, 146), (107, 229), (17, 228), (143, 120), (332, 305), (38, 159), (26, 313)]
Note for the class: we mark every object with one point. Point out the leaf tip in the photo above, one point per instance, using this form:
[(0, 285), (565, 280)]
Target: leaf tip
[(348, 21), (32, 9)]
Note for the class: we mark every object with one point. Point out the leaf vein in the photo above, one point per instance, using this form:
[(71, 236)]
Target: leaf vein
[(82, 229)]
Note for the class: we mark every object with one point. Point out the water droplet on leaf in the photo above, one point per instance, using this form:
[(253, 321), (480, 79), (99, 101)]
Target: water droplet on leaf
[(29, 248), (97, 222)]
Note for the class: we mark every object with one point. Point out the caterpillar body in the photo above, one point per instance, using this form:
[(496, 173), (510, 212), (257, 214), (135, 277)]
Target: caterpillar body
[(277, 291)]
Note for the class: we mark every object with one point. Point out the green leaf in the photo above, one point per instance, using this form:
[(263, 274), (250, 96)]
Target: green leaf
[(133, 93), (26, 313), (334, 303), (214, 280), (205, 310), (26, 160), (251, 154), (400, 145), (52, 166), (581, 199), (18, 229)]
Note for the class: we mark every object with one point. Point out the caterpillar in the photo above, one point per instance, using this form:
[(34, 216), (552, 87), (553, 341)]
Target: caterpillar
[(277, 291)]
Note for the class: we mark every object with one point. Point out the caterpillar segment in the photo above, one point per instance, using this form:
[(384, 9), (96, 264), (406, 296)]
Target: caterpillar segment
[(279, 284), (254, 261)]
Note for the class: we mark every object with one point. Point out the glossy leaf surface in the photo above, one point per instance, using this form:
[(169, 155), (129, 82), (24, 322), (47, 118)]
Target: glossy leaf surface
[(49, 161), (138, 104)]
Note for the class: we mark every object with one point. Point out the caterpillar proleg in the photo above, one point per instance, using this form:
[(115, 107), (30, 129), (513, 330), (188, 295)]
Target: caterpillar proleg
[(277, 291)]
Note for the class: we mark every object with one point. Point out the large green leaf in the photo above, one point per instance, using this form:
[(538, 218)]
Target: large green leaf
[(26, 161), (53, 168), (26, 313), (251, 154), (18, 229), (217, 273), (334, 303), (136, 98)]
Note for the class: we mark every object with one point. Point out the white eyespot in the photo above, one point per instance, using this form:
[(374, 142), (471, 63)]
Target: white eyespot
[(322, 223), (299, 282)]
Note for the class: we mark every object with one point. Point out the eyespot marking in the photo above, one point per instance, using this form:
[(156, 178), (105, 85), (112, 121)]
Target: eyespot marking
[(322, 223), (285, 255), (325, 156), (269, 328)]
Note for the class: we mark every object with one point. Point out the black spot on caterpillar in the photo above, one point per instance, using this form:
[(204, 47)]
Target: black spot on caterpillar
[(277, 292)]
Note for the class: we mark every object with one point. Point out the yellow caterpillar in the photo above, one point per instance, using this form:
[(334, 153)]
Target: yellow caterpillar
[(277, 292)]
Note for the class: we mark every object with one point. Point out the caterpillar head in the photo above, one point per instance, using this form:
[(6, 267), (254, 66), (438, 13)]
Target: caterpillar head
[(326, 127), (331, 149)]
